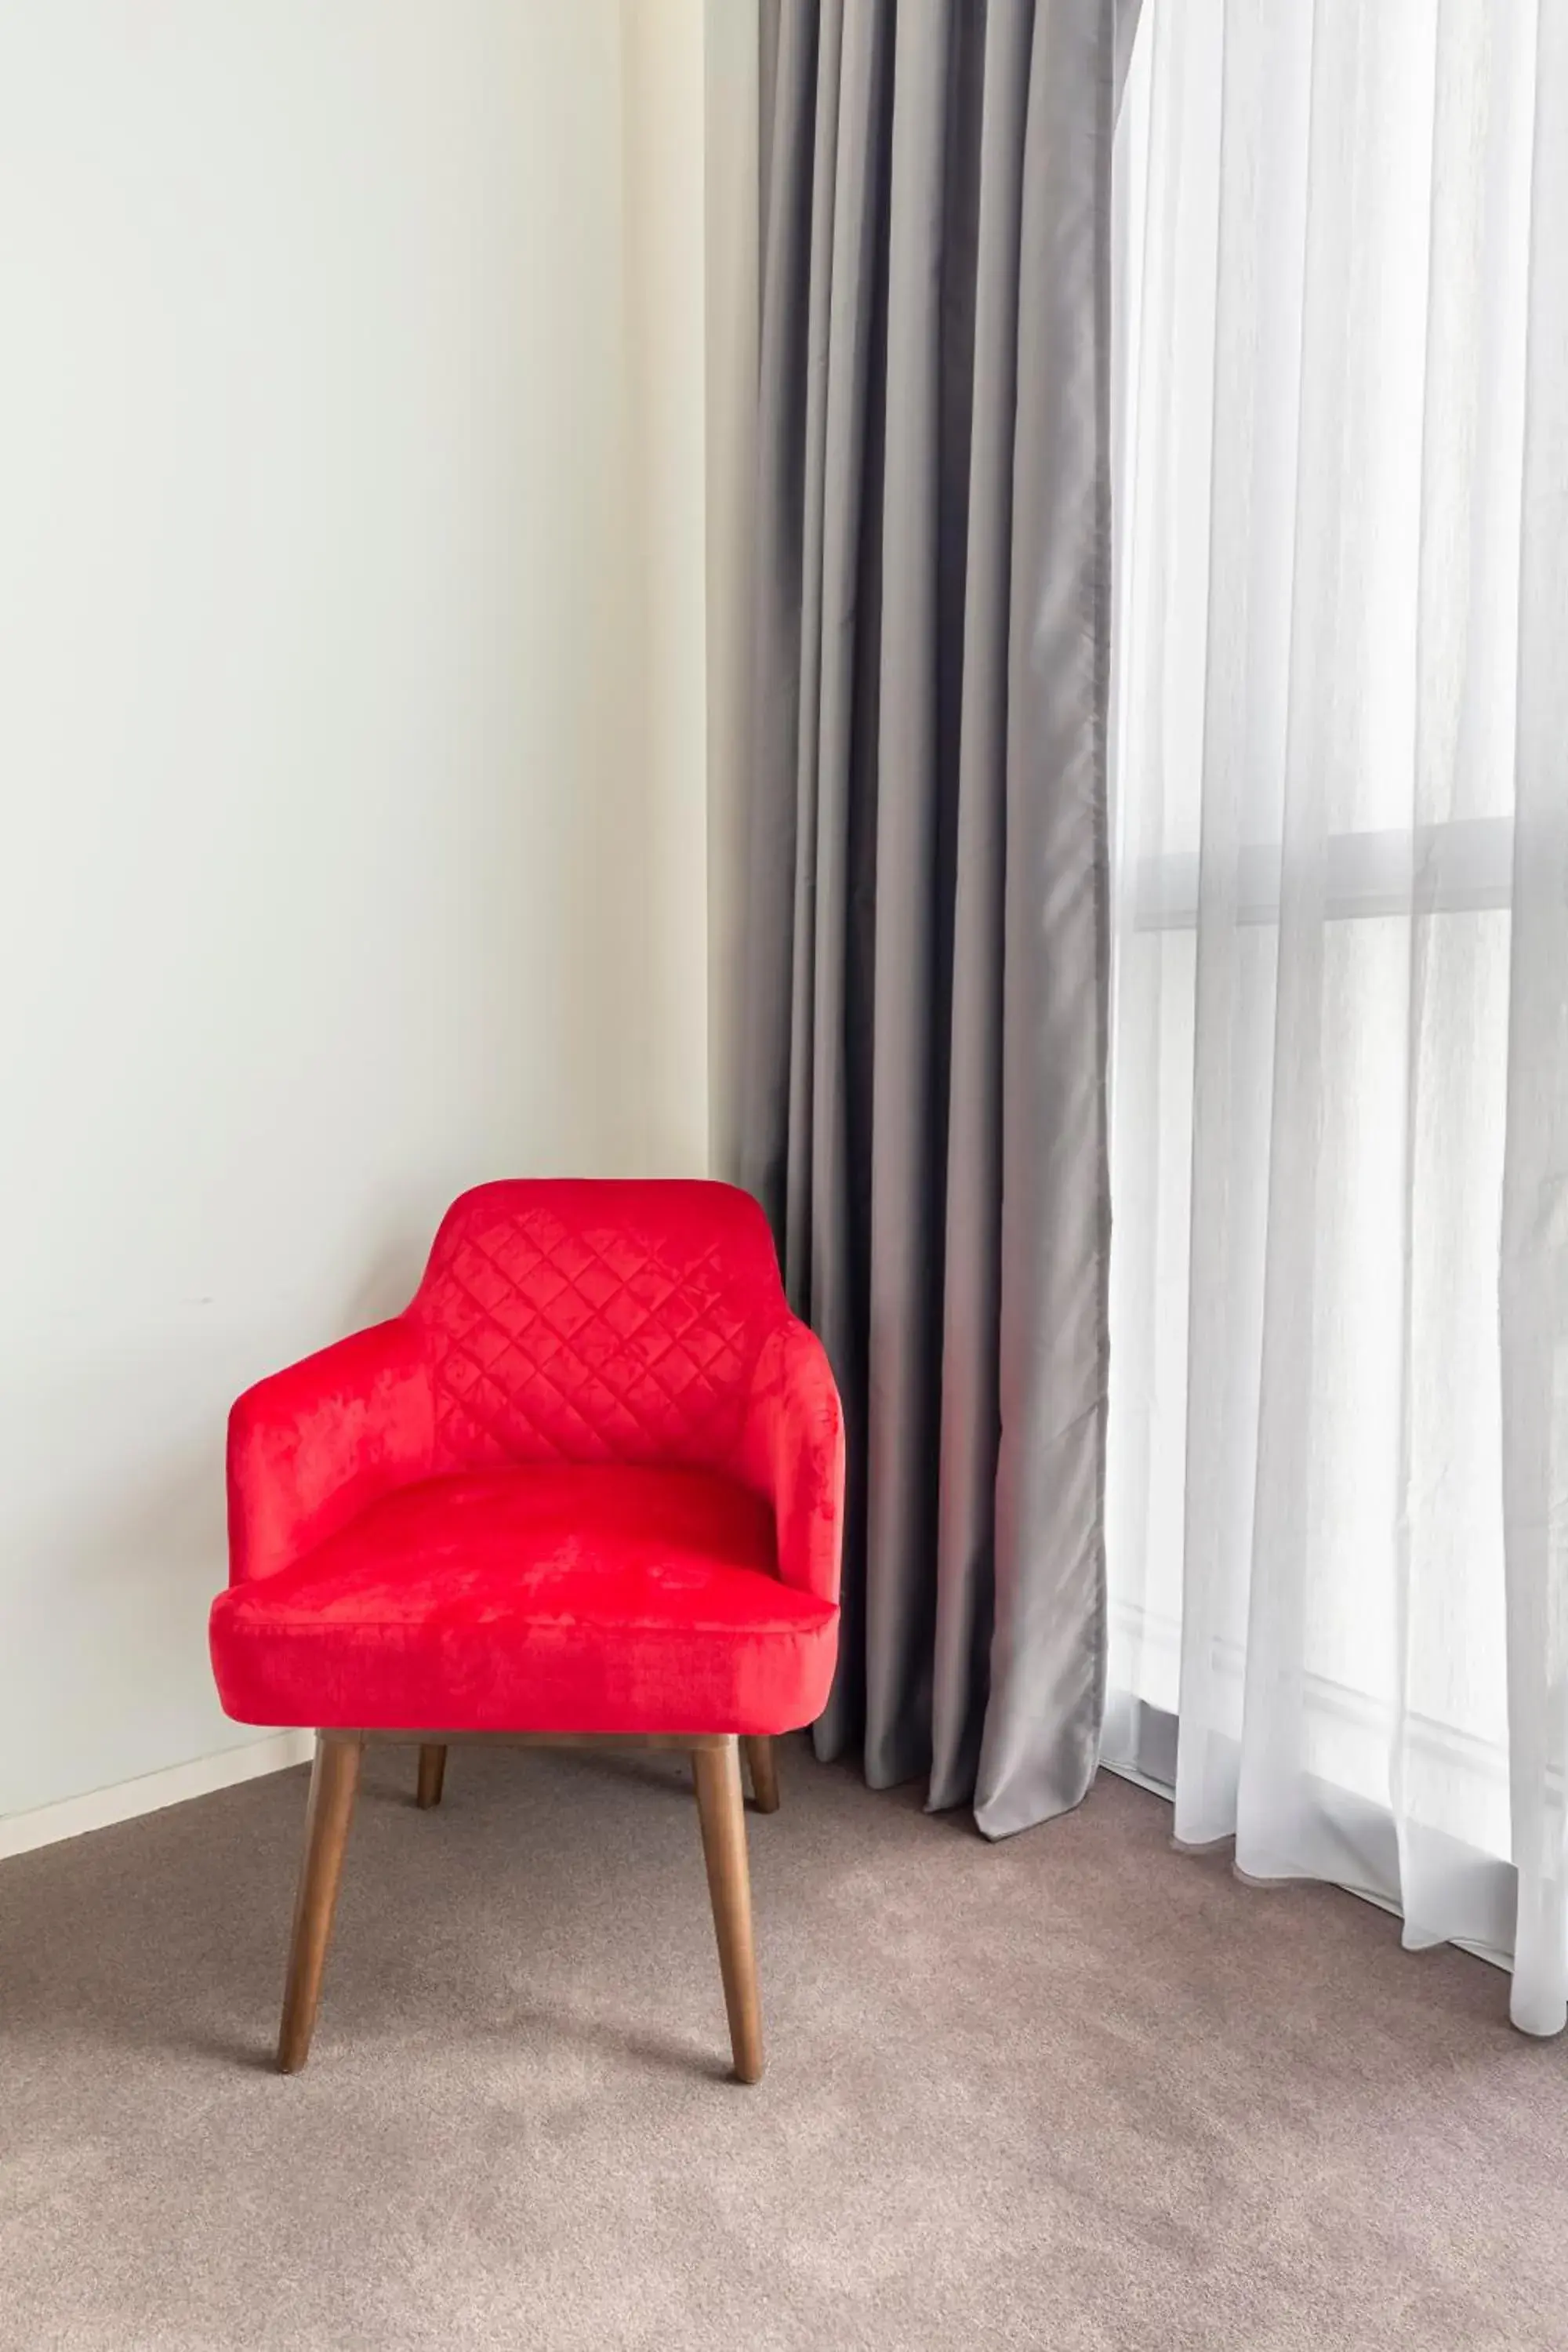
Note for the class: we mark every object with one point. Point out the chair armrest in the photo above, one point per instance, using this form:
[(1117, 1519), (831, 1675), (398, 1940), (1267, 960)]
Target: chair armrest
[(791, 1450), (311, 1446)]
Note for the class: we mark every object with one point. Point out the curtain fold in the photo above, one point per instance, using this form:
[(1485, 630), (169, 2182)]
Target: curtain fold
[(1339, 1447), (1535, 1289), (923, 1110)]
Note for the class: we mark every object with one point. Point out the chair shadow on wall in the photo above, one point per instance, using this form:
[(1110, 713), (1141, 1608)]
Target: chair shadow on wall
[(387, 1282)]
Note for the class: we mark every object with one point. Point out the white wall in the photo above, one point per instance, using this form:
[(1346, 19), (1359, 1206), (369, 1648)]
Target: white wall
[(325, 882)]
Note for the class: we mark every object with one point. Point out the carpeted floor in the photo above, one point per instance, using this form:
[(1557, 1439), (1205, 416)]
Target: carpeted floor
[(1074, 2091)]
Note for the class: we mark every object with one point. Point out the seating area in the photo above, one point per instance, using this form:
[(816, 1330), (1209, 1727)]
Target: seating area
[(587, 1486), (784, 1554)]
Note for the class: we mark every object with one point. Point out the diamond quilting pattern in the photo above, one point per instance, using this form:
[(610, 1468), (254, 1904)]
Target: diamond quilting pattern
[(560, 1330)]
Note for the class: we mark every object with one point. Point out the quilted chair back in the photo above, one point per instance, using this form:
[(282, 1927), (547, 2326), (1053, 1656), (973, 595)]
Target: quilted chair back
[(595, 1321)]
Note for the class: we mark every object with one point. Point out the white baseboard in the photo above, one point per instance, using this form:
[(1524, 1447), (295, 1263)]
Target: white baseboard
[(101, 1808)]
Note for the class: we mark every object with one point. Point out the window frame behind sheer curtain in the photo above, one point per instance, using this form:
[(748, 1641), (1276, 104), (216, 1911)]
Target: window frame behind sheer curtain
[(1339, 883)]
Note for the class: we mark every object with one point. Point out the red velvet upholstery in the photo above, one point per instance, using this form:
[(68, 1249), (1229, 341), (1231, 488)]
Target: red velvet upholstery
[(590, 1480)]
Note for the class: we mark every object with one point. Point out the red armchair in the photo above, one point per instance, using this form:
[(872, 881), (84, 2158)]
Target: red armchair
[(586, 1487)]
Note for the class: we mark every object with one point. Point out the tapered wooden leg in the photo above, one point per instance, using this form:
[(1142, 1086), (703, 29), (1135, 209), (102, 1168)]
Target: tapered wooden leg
[(764, 1768), (432, 1773), (334, 1778), (723, 1815)]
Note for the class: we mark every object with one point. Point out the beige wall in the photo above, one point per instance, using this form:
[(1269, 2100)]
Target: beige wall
[(731, 145)]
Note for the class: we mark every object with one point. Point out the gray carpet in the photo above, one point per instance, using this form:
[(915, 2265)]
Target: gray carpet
[(1074, 2091)]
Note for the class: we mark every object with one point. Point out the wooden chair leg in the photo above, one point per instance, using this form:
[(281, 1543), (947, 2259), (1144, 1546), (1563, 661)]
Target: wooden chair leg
[(722, 1808), (764, 1768), (432, 1774), (334, 1780)]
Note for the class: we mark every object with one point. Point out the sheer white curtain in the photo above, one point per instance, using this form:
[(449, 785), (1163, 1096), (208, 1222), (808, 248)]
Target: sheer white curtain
[(1338, 1477)]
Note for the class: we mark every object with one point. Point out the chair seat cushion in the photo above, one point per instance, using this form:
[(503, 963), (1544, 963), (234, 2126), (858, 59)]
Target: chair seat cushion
[(548, 1598)]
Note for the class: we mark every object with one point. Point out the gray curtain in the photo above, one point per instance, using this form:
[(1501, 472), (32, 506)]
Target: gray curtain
[(924, 1091)]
